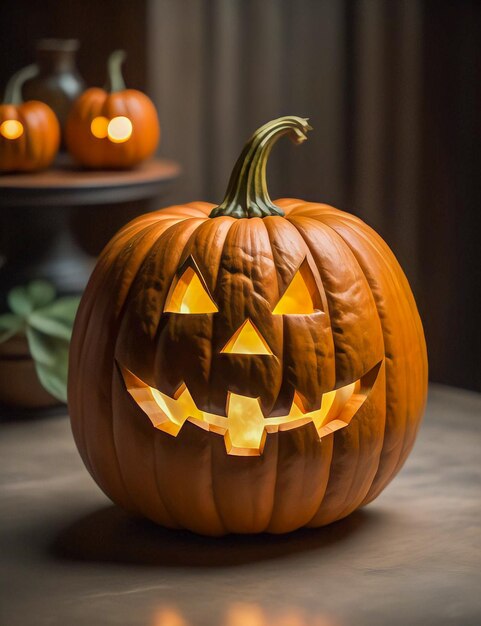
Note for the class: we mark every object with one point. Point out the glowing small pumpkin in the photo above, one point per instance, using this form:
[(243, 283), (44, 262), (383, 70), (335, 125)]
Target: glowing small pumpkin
[(246, 368), (29, 131), (117, 128)]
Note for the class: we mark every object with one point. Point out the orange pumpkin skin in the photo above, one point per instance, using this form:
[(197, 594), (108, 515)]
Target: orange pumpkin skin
[(93, 152), (368, 318), (37, 146)]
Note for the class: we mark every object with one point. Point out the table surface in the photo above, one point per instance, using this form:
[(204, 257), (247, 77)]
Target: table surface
[(412, 557), (67, 184)]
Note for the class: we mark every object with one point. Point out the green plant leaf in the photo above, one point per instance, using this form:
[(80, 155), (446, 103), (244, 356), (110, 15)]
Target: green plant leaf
[(56, 319), (40, 292), (50, 355), (19, 301), (62, 309), (50, 326), (22, 300), (54, 377), (10, 325), (41, 346)]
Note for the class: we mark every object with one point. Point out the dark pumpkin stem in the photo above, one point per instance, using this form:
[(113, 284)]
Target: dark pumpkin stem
[(247, 194), (13, 90), (115, 79)]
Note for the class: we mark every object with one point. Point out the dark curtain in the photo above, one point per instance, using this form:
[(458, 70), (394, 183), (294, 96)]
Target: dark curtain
[(392, 90)]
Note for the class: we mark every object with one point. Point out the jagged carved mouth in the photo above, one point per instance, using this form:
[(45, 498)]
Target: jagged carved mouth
[(244, 426)]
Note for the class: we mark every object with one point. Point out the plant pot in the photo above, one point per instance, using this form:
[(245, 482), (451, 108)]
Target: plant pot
[(19, 383)]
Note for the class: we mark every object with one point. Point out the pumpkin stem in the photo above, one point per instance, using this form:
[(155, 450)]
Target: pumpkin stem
[(247, 194), (13, 90), (115, 79)]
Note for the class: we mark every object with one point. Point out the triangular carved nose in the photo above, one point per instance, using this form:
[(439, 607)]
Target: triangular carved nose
[(246, 340)]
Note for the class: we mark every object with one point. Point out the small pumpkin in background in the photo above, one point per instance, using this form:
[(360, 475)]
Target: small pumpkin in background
[(113, 127), (29, 131), (250, 367)]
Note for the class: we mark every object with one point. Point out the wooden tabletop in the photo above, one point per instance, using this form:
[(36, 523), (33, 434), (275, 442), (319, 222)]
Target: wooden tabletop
[(411, 557), (67, 184)]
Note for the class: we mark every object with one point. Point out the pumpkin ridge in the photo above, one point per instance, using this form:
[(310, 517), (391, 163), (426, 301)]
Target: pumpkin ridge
[(283, 223), (172, 231), (410, 314), (40, 146), (329, 487), (253, 506), (114, 442), (269, 524), (274, 495), (400, 303), (23, 152), (136, 236), (406, 446), (329, 440), (404, 284), (338, 215), (397, 288), (161, 497), (215, 495), (209, 377), (333, 435), (275, 226), (28, 143), (142, 274), (118, 315)]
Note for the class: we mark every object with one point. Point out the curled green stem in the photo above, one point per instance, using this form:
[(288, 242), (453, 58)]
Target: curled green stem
[(247, 194), (13, 90), (115, 79)]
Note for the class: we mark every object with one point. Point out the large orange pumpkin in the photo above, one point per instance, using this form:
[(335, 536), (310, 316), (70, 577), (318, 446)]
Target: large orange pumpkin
[(117, 128), (246, 368), (29, 131)]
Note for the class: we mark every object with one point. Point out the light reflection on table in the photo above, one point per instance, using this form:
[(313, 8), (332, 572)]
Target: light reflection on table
[(248, 614)]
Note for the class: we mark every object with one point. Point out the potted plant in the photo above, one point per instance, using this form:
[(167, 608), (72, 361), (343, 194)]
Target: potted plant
[(34, 343)]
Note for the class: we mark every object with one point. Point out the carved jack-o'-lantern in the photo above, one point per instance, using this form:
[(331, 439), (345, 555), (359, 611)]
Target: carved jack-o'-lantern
[(29, 131), (113, 128), (251, 367)]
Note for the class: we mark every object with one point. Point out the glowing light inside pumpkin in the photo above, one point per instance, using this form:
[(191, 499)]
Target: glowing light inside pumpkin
[(189, 295), (11, 129), (98, 127), (297, 299), (119, 129), (246, 340), (244, 427), (245, 423)]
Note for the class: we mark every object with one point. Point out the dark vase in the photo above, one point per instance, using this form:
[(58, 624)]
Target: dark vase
[(58, 82)]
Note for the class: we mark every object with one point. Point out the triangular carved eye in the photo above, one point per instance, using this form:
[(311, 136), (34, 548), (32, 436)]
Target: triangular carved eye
[(301, 296), (189, 295)]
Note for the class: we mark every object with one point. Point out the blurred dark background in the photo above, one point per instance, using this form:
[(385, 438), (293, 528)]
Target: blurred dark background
[(392, 89)]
